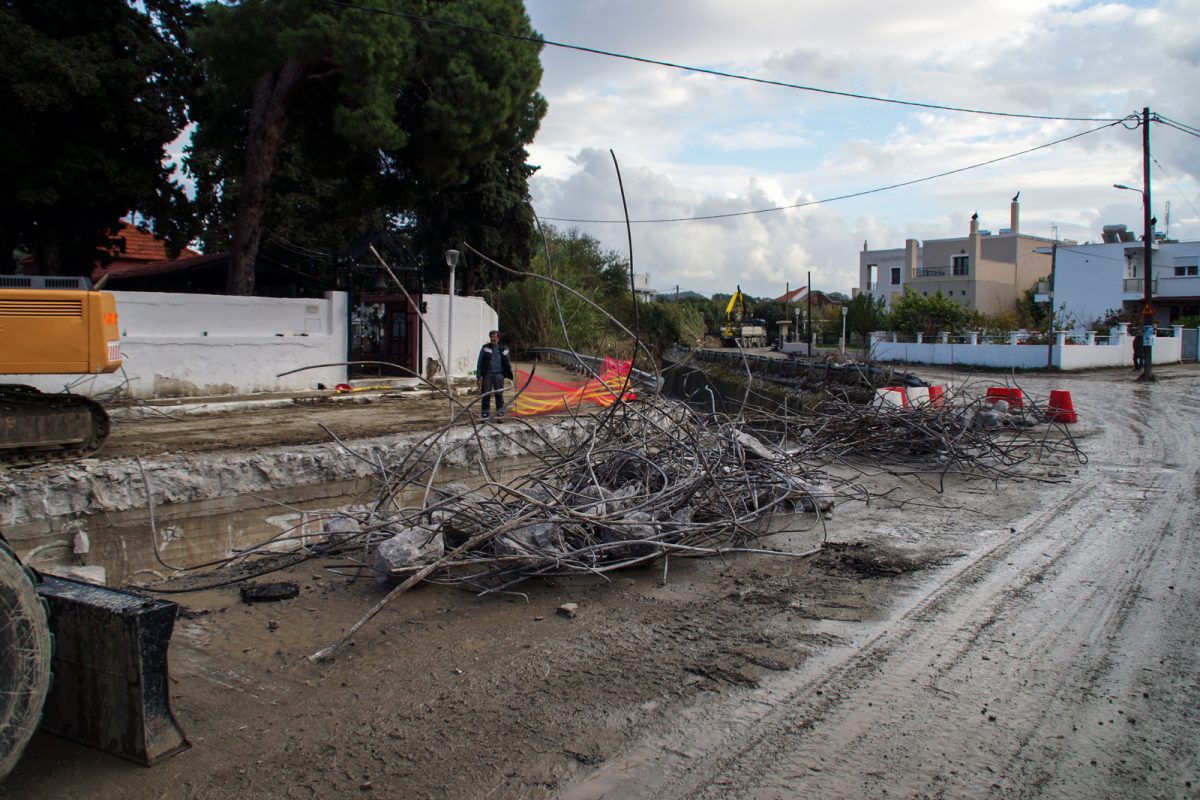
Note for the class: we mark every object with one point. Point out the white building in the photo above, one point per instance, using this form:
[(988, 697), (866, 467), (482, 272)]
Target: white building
[(1093, 280)]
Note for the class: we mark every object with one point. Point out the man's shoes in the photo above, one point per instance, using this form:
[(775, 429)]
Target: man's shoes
[(484, 416)]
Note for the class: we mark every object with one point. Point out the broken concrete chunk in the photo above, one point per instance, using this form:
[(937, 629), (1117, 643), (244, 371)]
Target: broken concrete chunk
[(569, 610), (415, 546), (340, 523), (532, 540)]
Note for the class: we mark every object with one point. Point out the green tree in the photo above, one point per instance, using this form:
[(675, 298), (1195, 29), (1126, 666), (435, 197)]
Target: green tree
[(529, 313), (398, 115), (928, 314), (1030, 313), (93, 92), (866, 313)]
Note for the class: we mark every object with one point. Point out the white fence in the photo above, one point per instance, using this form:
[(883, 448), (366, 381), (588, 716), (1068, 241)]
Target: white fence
[(1067, 352)]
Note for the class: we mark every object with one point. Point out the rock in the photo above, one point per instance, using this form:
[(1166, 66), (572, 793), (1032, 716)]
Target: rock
[(532, 540), (415, 546), (569, 610)]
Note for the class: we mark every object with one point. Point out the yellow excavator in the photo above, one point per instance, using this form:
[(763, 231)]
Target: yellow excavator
[(53, 326), (739, 330), (106, 649)]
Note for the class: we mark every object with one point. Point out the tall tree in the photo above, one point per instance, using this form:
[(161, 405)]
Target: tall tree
[(380, 104), (93, 92)]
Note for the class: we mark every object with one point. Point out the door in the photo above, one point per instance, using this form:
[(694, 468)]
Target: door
[(384, 330)]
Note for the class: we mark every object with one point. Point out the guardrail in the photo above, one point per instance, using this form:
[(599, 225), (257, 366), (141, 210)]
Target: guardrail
[(582, 363)]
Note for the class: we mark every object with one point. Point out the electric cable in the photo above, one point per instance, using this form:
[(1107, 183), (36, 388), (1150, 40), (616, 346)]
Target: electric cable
[(539, 40), (844, 196)]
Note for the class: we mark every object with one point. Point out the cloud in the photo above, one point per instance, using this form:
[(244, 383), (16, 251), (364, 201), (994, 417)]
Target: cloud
[(693, 144)]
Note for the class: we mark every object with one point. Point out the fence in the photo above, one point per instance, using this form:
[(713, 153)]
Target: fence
[(1024, 351)]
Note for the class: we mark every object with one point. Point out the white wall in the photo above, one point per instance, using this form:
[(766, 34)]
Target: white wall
[(194, 345), (472, 320), (1117, 352)]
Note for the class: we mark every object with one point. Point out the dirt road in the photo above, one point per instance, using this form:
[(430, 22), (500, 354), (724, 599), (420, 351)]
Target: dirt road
[(1034, 639)]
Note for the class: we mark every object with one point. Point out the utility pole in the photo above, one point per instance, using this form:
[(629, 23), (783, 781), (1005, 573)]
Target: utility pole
[(1147, 260), (809, 332), (1050, 319)]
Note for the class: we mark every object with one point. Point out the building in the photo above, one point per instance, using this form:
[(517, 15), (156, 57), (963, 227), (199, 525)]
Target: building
[(982, 271), (1095, 281)]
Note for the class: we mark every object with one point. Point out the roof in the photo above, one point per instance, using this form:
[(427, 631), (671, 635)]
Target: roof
[(801, 295), (141, 246)]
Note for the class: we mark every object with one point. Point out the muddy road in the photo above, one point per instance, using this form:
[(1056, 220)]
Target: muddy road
[(1033, 639)]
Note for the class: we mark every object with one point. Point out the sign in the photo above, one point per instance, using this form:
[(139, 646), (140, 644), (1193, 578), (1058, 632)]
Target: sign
[(1147, 310), (1148, 336)]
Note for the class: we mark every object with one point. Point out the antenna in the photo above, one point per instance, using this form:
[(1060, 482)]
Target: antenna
[(1167, 232)]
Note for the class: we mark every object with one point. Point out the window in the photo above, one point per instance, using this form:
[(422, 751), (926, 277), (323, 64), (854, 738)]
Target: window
[(895, 276), (959, 264), (1187, 267)]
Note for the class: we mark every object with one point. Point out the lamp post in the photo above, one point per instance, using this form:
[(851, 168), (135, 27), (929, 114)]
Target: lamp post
[(451, 262), (796, 332), (842, 346), (1148, 296)]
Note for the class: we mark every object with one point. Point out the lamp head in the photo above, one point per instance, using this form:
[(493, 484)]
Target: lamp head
[(452, 258)]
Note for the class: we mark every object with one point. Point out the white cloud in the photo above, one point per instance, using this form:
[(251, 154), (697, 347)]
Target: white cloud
[(692, 144)]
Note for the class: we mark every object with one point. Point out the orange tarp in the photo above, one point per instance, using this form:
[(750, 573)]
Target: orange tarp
[(543, 396)]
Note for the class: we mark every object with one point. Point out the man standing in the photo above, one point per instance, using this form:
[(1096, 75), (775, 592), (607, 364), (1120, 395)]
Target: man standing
[(491, 369)]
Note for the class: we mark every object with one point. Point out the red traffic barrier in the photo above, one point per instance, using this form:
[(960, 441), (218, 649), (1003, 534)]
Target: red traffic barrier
[(1011, 394), (937, 395), (1060, 408)]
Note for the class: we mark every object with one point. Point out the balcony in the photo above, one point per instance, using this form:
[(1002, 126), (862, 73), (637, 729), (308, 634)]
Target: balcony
[(873, 287), (932, 272), (1138, 286)]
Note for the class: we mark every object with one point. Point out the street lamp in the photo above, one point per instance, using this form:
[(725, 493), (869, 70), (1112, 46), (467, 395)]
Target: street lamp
[(845, 311), (451, 262), (796, 334), (1147, 258)]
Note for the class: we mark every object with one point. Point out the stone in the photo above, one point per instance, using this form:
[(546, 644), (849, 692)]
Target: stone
[(411, 547)]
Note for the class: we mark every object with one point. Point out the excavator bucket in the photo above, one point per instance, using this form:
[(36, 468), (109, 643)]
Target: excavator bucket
[(110, 688)]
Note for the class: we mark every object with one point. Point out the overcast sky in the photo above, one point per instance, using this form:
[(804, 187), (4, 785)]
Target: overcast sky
[(692, 144)]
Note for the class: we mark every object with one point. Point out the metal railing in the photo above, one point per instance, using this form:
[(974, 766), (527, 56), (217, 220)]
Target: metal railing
[(932, 272), (1134, 285)]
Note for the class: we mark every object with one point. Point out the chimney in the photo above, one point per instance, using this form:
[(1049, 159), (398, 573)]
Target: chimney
[(1014, 216), (910, 259), (975, 224)]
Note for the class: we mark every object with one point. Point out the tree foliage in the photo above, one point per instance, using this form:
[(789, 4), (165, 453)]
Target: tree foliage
[(534, 314), (321, 119), (928, 314), (93, 92), (866, 313)]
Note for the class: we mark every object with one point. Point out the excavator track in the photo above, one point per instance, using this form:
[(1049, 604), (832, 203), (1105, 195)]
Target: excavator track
[(37, 427)]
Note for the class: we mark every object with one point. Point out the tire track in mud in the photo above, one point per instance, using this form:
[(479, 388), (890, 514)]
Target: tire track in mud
[(994, 682)]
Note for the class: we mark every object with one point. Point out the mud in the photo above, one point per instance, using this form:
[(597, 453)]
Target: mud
[(1028, 640)]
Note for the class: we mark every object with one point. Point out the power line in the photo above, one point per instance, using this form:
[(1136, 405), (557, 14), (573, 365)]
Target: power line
[(1180, 128), (1186, 199), (845, 196), (705, 71), (1174, 123)]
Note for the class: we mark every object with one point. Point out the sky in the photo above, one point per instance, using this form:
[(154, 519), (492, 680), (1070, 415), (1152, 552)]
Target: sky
[(689, 144)]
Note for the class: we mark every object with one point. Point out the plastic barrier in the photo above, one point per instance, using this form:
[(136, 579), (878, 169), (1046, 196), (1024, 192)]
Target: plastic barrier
[(1008, 393), (1060, 408)]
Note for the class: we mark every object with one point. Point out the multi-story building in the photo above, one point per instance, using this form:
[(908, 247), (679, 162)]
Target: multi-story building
[(1092, 281), (982, 271)]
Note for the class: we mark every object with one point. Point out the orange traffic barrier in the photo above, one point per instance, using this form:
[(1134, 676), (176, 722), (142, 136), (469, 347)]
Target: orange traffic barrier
[(1011, 394), (1061, 409)]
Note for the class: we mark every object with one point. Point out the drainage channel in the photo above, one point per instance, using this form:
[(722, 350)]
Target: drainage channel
[(95, 514)]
